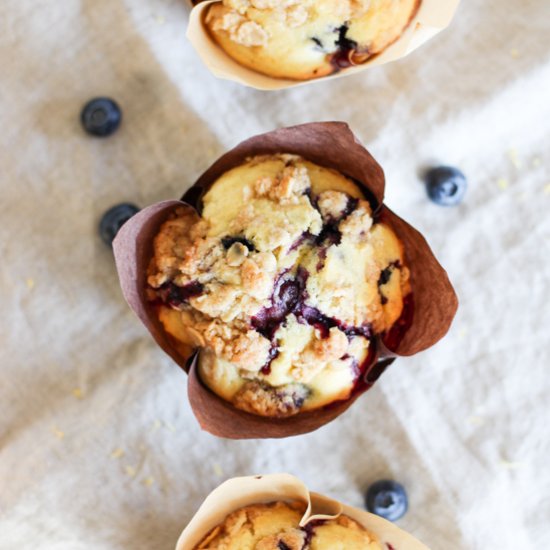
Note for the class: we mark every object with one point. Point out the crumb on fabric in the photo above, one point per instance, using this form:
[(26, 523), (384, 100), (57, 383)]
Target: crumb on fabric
[(509, 465), (503, 183), (77, 392), (117, 453), (514, 158)]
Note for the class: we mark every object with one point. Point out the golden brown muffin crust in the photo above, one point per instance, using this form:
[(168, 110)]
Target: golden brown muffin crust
[(282, 284), (304, 39)]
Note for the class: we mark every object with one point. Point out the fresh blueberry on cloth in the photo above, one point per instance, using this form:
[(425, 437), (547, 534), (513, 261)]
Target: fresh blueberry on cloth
[(114, 219), (387, 499), (101, 117), (445, 185)]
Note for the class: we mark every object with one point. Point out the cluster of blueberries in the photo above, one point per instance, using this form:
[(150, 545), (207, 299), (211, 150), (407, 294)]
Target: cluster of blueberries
[(445, 186)]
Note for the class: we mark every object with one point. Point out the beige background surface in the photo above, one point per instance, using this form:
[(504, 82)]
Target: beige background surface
[(98, 447)]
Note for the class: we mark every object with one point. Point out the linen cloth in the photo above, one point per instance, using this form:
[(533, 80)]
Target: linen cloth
[(98, 446)]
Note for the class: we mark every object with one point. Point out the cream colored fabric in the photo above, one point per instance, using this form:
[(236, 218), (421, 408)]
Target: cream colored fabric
[(98, 447)]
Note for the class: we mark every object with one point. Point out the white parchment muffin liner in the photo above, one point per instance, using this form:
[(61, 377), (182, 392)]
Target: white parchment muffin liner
[(245, 491), (432, 17)]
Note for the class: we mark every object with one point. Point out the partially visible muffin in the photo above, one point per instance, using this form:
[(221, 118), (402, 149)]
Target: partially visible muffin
[(282, 284), (276, 526), (306, 39)]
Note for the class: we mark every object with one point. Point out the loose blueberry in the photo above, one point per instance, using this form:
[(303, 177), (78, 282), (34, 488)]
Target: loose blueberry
[(445, 185), (114, 219), (387, 499), (101, 117)]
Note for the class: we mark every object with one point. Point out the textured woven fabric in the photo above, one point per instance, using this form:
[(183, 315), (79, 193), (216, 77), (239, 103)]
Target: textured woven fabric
[(98, 446)]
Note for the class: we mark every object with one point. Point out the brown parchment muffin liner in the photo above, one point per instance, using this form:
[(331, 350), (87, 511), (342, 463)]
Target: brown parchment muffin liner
[(329, 144), (245, 491), (431, 18)]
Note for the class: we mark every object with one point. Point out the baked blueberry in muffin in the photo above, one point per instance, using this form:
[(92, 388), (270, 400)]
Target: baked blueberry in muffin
[(276, 526), (282, 284), (306, 39)]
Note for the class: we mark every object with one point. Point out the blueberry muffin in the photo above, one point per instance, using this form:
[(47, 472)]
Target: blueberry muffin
[(282, 285), (276, 526), (305, 39)]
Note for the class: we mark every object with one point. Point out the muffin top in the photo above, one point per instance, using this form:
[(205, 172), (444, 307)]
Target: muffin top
[(275, 526), (304, 39), (282, 284)]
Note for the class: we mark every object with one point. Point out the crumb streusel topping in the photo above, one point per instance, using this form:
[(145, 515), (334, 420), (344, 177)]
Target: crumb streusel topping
[(281, 283), (303, 39), (275, 526)]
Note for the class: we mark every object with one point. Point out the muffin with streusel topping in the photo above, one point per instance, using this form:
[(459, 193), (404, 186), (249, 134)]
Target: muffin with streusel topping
[(281, 284), (307, 39), (276, 526)]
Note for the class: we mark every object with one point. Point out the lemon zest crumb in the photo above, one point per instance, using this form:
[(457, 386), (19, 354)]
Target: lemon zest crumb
[(156, 426), (117, 453), (503, 184), (514, 158), (509, 465)]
